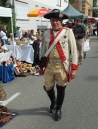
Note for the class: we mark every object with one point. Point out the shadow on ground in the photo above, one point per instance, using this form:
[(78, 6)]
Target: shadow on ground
[(92, 57), (92, 78), (44, 111)]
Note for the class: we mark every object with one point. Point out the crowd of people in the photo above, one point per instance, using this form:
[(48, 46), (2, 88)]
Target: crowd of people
[(80, 28), (90, 27), (29, 34), (61, 44), (84, 31), (20, 34)]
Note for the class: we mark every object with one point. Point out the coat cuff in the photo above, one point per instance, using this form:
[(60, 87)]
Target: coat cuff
[(74, 67)]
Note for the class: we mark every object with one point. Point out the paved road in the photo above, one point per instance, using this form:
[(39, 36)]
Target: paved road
[(80, 108)]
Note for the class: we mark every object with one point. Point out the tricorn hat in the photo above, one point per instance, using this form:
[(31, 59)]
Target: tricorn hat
[(56, 13)]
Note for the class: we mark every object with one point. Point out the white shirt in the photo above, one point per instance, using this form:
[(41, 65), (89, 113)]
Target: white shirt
[(55, 32), (19, 33), (3, 35)]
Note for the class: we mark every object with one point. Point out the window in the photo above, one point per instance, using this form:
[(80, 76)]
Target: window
[(66, 1), (58, 2), (21, 10)]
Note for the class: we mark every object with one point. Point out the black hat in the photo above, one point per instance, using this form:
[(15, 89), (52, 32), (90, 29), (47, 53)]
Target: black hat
[(78, 20), (56, 13)]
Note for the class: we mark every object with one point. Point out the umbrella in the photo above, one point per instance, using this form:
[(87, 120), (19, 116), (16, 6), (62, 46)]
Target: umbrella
[(38, 13), (92, 19)]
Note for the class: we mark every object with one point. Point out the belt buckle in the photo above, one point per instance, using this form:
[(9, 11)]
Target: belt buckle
[(54, 61)]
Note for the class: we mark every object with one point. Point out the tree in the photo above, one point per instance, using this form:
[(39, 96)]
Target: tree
[(71, 1), (95, 13), (7, 20)]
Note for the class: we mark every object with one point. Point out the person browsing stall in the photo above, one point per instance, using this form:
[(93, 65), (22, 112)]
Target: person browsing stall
[(3, 36)]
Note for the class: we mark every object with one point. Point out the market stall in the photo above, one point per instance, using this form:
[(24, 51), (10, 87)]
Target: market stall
[(5, 56), (73, 13), (6, 65), (23, 52), (7, 73), (7, 12)]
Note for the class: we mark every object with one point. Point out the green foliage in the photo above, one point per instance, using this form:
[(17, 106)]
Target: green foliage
[(94, 2), (7, 20), (3, 3), (71, 1), (95, 13)]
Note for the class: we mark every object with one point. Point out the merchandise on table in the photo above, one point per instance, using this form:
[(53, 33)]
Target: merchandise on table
[(22, 68)]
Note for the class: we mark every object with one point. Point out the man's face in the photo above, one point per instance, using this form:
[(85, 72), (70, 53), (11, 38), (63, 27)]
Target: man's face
[(56, 23), (32, 31), (4, 27), (38, 31), (78, 23)]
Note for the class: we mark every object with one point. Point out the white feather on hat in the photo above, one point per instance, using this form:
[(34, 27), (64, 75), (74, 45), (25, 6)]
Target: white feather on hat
[(56, 13)]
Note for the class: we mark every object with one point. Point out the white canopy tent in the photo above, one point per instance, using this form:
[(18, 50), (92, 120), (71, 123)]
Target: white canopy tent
[(7, 12)]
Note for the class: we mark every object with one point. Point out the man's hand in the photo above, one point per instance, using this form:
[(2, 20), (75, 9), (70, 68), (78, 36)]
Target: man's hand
[(41, 71), (76, 36), (84, 39), (73, 74)]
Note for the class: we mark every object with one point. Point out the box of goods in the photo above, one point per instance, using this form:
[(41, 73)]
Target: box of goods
[(7, 73), (25, 69), (19, 73), (20, 42)]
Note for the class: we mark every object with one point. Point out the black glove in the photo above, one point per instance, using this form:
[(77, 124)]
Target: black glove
[(43, 62)]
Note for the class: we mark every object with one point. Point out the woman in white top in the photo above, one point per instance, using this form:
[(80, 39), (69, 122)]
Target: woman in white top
[(3, 35), (32, 36)]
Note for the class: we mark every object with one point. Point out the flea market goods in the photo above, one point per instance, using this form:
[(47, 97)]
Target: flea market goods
[(2, 94)]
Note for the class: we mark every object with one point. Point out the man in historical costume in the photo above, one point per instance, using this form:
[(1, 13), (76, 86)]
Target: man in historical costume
[(57, 68)]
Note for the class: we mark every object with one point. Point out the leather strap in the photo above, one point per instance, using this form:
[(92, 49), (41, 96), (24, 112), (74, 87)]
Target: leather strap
[(55, 41)]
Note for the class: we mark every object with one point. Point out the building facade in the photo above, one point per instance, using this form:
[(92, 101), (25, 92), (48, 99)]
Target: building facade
[(23, 7), (83, 6)]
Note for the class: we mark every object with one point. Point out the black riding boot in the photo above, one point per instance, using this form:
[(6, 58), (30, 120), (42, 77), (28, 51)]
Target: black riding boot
[(60, 98), (51, 95)]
